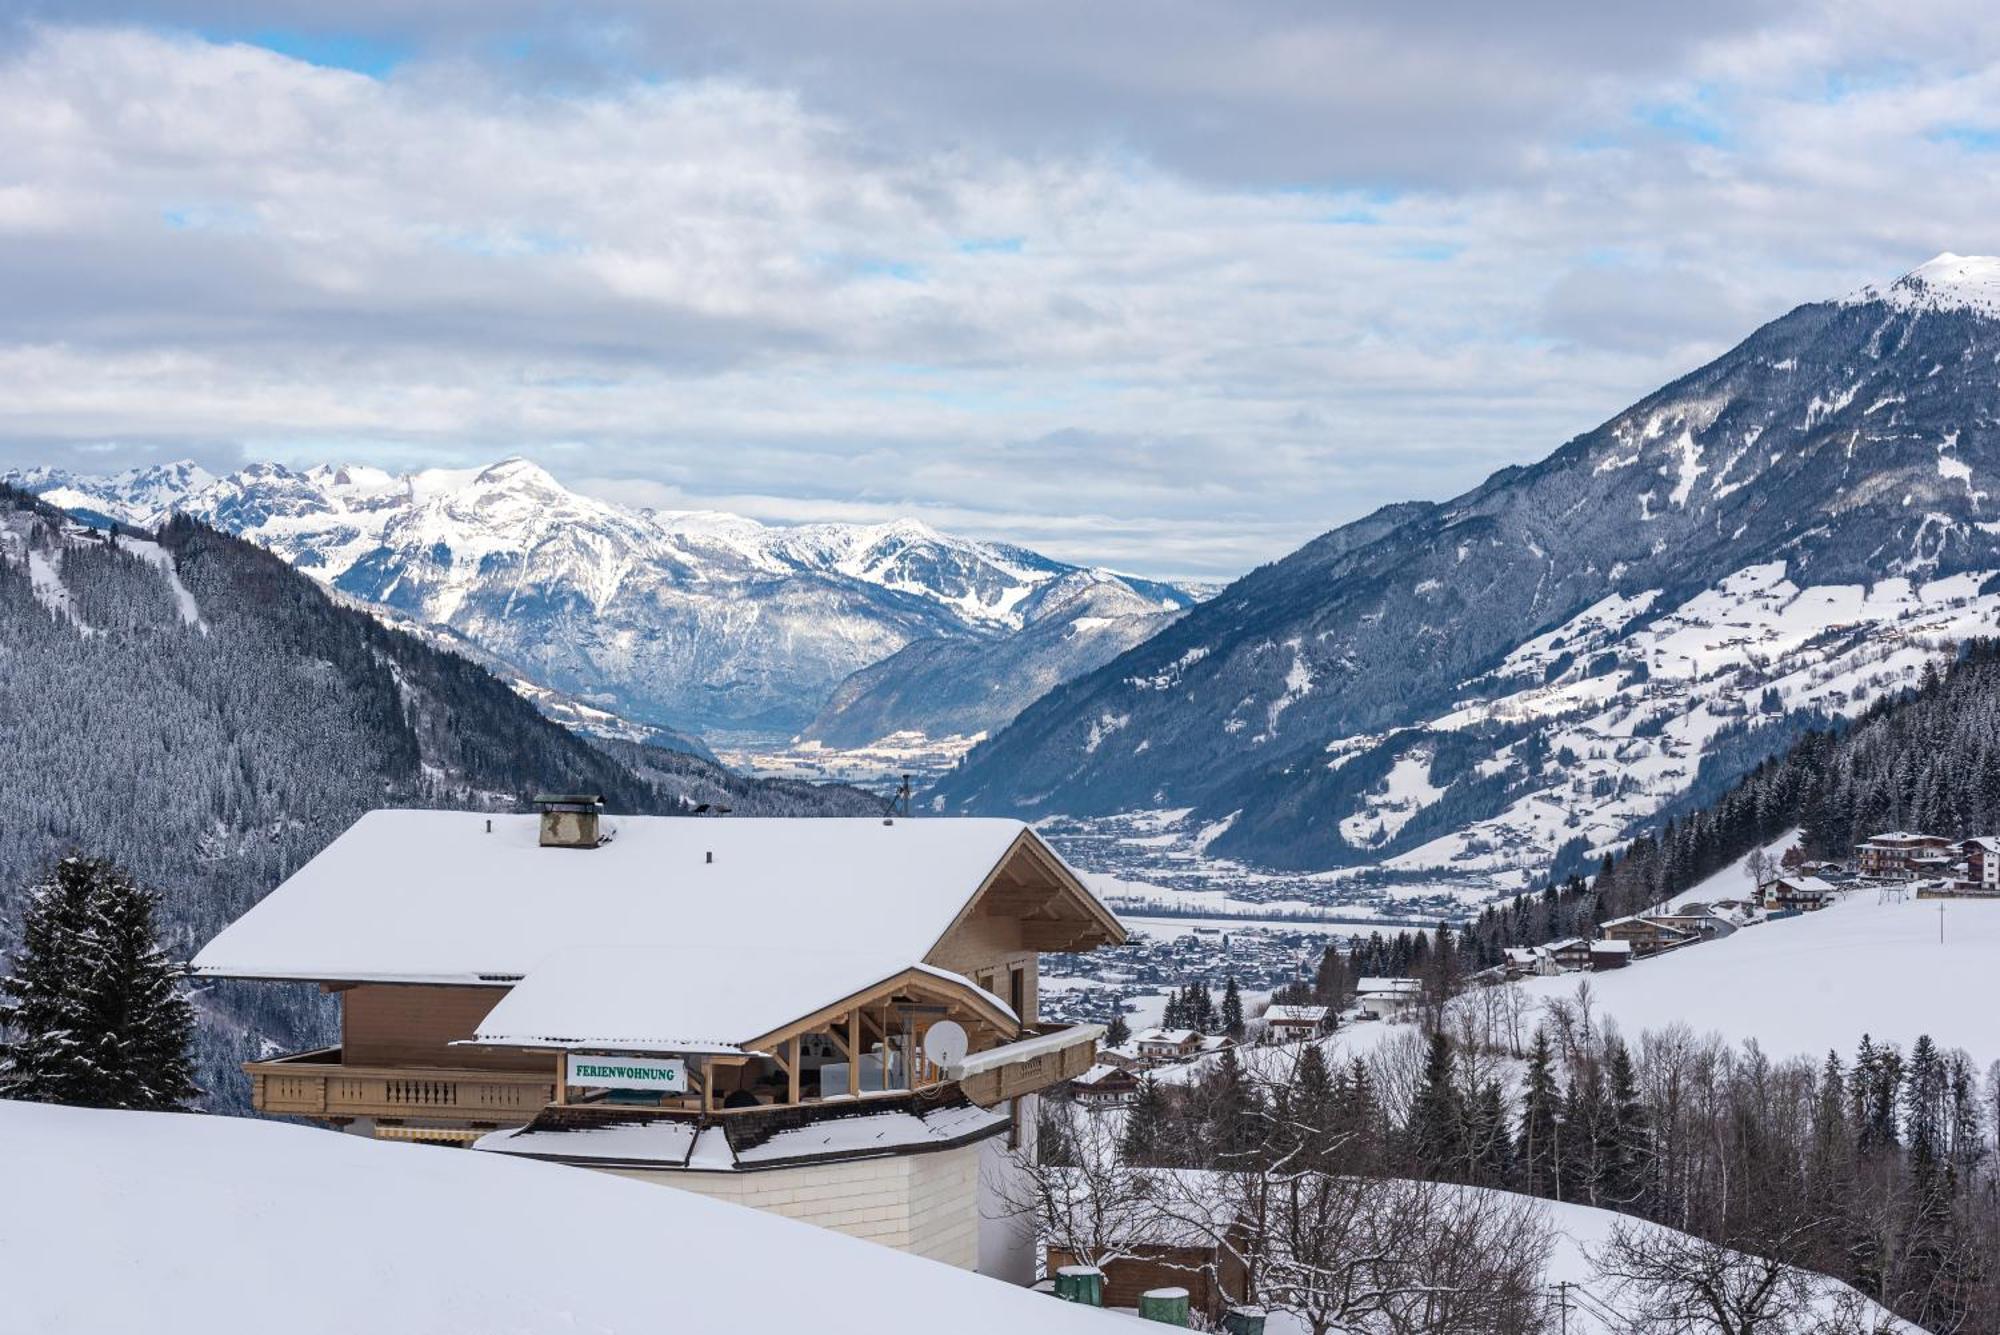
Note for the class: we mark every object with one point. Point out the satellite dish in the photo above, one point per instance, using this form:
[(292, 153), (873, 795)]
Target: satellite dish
[(945, 1043)]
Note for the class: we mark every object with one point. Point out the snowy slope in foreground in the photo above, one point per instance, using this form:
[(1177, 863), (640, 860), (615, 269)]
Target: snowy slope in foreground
[(1801, 986), (189, 1225)]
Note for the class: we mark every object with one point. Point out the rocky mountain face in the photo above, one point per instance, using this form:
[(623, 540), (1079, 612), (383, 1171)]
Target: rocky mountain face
[(1534, 668), (702, 621), (959, 687)]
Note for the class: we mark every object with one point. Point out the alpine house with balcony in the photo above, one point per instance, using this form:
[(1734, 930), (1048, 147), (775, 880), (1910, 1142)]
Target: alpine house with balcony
[(834, 1019)]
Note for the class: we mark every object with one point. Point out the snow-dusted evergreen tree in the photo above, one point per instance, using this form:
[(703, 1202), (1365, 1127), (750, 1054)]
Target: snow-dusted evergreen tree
[(94, 1009), (1117, 1033), (1232, 1010)]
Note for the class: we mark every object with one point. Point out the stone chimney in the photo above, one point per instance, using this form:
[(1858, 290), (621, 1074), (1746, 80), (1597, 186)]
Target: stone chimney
[(569, 820)]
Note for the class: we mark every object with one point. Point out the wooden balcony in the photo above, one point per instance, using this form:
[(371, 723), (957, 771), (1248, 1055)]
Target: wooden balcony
[(317, 1084), (1038, 1059)]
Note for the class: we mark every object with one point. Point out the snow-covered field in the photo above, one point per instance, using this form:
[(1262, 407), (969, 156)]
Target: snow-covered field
[(192, 1225), (1801, 986)]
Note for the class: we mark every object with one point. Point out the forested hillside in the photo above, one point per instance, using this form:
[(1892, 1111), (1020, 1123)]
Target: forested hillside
[(1927, 761), (208, 718)]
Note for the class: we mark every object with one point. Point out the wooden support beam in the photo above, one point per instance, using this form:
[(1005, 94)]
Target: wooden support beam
[(854, 1052), (792, 1070), (562, 1078)]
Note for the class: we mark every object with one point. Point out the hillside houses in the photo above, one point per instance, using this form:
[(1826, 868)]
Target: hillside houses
[(1902, 855)]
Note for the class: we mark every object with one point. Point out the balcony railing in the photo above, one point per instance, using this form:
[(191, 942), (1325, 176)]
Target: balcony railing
[(318, 1084)]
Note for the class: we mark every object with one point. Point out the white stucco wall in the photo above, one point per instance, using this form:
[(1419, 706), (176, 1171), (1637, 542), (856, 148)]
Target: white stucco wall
[(922, 1203)]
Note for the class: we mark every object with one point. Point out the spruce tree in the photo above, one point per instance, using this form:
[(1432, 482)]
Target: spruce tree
[(1626, 1157), (1435, 1136), (94, 1008), (1232, 1010), (1145, 1141), (1201, 1004), (1540, 1147), (1311, 1108), (1234, 1114), (1117, 1033)]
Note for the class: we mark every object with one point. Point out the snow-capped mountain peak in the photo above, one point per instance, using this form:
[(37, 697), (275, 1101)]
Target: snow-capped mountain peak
[(138, 496), (692, 618), (1946, 283)]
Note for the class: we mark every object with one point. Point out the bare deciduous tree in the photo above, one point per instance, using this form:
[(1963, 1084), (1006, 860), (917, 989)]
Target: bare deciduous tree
[(1376, 1256), (1672, 1283)]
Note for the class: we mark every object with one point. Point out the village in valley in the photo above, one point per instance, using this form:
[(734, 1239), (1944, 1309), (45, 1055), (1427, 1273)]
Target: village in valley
[(1170, 978)]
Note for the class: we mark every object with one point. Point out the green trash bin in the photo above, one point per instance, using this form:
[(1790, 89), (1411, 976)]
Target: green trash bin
[(1169, 1307), (1080, 1284), (1244, 1321)]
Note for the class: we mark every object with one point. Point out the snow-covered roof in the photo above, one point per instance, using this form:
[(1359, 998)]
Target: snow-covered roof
[(1100, 1073), (1282, 1014), (1173, 1036), (1610, 947), (689, 998), (1986, 843), (1027, 1049), (1387, 986), (1900, 839), (663, 1143), (1650, 919), (1811, 885), (433, 897)]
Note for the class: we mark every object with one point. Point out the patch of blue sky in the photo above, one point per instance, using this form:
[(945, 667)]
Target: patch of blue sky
[(1972, 138), (209, 218), (868, 266), (372, 56), (1839, 85), (1429, 252), (1350, 218), (991, 245), (1695, 119), (506, 244)]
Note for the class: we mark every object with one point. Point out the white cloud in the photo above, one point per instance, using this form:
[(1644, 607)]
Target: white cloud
[(743, 288)]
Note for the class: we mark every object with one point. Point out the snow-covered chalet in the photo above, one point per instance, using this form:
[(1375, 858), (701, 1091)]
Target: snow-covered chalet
[(832, 1019)]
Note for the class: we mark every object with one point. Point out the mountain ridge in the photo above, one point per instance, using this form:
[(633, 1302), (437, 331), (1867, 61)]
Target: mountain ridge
[(1844, 440), (677, 619)]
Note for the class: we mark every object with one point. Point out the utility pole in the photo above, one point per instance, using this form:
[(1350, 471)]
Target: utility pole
[(1562, 1304)]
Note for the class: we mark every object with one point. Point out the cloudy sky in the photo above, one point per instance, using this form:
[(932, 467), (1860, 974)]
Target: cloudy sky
[(1162, 285)]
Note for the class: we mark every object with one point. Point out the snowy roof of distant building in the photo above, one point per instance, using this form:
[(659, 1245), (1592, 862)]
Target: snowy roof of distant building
[(1899, 839), (1811, 885), (1174, 1036), (433, 897), (1385, 987), (1283, 1014), (1610, 947), (1101, 1072), (1984, 842), (1650, 919)]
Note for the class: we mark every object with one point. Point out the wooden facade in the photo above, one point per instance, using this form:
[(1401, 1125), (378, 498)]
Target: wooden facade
[(408, 1055)]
